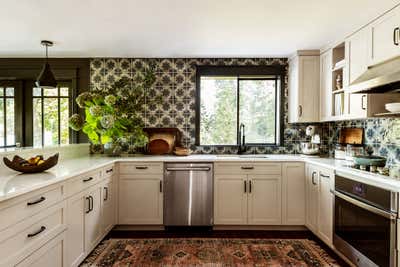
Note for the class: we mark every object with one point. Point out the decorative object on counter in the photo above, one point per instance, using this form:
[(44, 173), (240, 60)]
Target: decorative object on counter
[(32, 165), (182, 151), (163, 140), (114, 115), (312, 147), (394, 172), (369, 160), (339, 82), (393, 107), (96, 148), (352, 151), (350, 143)]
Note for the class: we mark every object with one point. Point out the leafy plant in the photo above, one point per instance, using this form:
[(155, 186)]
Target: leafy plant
[(113, 115)]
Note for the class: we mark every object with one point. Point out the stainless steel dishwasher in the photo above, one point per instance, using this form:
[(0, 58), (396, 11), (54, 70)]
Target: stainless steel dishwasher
[(188, 194)]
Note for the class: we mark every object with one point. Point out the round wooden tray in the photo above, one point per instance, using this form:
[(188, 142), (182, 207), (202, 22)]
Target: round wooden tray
[(16, 166)]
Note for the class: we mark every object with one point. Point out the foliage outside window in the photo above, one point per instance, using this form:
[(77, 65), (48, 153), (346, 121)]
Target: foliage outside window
[(227, 99), (7, 116)]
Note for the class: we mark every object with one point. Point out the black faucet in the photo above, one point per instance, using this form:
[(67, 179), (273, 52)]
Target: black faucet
[(241, 139)]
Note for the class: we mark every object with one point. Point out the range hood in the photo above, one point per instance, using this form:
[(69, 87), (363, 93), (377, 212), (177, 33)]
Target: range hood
[(383, 78)]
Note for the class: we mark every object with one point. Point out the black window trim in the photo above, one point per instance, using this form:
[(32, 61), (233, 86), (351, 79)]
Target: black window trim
[(279, 71)]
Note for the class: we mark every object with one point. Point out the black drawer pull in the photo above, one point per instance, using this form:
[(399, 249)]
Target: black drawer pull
[(41, 199), (245, 186), (38, 232), (247, 168), (141, 167), (109, 170), (161, 187), (87, 179), (105, 193), (250, 186), (325, 176)]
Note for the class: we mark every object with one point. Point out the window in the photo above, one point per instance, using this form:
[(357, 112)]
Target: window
[(34, 116), (50, 115), (7, 116), (230, 96)]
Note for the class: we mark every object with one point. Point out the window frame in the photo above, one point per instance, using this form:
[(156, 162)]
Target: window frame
[(279, 71)]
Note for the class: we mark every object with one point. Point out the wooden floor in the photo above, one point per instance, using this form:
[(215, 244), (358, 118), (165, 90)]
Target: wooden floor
[(207, 233)]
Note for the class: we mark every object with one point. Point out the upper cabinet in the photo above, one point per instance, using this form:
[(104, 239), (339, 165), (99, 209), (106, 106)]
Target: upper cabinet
[(385, 37), (304, 87), (357, 54), (325, 103)]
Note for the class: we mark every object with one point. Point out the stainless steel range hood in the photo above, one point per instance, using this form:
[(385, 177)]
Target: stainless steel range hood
[(383, 78)]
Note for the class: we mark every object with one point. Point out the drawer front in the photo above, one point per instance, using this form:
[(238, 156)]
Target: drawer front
[(82, 182), (248, 168), (108, 171), (35, 203), (141, 168), (21, 239)]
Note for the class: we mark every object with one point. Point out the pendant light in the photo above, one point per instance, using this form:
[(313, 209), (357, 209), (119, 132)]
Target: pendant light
[(46, 78)]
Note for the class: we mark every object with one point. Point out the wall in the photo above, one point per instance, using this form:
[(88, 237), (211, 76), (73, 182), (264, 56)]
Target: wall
[(176, 83)]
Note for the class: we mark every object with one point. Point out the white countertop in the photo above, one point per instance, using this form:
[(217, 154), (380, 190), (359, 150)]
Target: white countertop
[(13, 184)]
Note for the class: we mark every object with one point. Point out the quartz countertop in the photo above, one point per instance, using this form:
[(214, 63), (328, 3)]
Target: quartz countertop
[(13, 184)]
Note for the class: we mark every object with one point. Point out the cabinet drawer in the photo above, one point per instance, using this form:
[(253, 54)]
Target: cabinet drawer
[(108, 171), (248, 168), (82, 182), (23, 238), (29, 205), (141, 168)]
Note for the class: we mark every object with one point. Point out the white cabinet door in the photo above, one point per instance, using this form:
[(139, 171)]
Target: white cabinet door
[(52, 254), (76, 207), (140, 200), (325, 101), (230, 199), (304, 84), (312, 184), (293, 194), (108, 204), (357, 54), (264, 200), (384, 32), (325, 208), (93, 231)]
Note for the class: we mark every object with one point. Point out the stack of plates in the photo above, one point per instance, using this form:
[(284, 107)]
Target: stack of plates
[(393, 107)]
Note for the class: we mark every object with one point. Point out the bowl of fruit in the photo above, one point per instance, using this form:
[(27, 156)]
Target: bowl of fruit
[(32, 165)]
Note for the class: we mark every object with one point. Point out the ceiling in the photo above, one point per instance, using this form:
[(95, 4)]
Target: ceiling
[(179, 28)]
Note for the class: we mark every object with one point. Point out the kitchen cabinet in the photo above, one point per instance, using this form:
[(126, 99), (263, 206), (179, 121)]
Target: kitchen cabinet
[(93, 222), (230, 199), (304, 84), (325, 206), (107, 206), (312, 188), (140, 199), (264, 199), (293, 194), (325, 103), (319, 207), (384, 34), (52, 254), (357, 54), (247, 194)]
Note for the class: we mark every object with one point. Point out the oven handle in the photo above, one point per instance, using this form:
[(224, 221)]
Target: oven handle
[(362, 205)]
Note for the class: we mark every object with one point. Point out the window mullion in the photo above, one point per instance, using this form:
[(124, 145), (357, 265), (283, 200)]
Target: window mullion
[(237, 110)]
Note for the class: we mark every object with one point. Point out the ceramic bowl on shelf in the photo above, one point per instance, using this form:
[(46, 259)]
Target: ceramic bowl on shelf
[(393, 107)]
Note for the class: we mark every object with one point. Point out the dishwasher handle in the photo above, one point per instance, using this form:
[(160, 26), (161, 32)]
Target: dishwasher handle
[(189, 169)]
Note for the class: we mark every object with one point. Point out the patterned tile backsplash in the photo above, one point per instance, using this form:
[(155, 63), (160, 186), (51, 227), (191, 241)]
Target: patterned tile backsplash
[(176, 84)]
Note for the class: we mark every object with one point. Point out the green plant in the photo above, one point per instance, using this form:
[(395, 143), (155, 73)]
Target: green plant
[(114, 114)]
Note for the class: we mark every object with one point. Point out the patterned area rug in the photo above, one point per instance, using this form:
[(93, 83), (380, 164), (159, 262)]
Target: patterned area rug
[(219, 252)]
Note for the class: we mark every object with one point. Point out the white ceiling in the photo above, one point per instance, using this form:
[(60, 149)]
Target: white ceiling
[(178, 28)]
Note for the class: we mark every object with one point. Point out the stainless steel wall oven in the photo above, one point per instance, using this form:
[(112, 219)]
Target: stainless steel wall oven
[(365, 222)]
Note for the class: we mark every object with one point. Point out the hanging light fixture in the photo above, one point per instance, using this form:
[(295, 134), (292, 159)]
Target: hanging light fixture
[(46, 77)]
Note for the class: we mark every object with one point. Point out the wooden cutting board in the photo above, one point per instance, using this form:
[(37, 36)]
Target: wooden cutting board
[(353, 136)]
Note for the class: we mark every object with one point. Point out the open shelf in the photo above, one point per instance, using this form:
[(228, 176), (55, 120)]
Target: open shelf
[(388, 114)]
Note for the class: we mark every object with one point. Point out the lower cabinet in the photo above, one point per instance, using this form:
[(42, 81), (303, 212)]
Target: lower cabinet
[(319, 217), (52, 254), (251, 197), (140, 199), (293, 194), (264, 199), (90, 214)]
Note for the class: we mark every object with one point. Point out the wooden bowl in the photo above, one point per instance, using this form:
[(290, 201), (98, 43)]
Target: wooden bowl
[(16, 166)]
